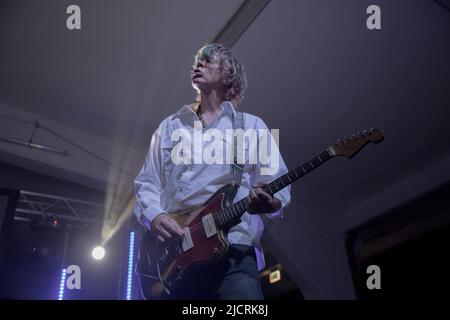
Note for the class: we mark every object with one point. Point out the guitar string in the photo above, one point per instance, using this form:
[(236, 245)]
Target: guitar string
[(246, 199), (198, 226)]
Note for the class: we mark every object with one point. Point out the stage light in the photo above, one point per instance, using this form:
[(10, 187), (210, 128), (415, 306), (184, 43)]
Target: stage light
[(274, 276), (62, 284), (130, 266), (55, 222), (98, 253)]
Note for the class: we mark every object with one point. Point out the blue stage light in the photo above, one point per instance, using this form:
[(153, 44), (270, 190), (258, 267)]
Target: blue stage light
[(130, 266), (62, 284)]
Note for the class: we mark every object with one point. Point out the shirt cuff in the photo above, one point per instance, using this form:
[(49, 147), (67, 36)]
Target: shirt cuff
[(146, 216)]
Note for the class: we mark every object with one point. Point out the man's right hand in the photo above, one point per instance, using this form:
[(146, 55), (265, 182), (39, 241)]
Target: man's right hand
[(165, 228)]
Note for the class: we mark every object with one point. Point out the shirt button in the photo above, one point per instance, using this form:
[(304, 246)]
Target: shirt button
[(180, 189)]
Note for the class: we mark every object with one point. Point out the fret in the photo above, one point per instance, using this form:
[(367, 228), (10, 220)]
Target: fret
[(308, 168), (275, 186), (243, 205), (280, 181), (290, 181), (230, 211), (325, 156), (224, 217), (238, 207), (315, 161), (233, 213)]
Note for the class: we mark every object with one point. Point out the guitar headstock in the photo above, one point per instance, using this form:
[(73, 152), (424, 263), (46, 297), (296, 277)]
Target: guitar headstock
[(349, 147)]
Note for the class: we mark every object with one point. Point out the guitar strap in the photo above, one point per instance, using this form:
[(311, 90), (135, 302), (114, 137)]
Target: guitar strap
[(236, 168)]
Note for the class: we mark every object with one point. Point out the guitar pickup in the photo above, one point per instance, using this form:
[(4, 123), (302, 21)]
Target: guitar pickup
[(209, 226), (187, 240)]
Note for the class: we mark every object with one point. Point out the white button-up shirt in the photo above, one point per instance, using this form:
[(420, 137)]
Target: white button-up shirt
[(162, 186)]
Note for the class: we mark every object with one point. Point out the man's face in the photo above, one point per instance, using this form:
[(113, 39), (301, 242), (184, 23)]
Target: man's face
[(206, 73)]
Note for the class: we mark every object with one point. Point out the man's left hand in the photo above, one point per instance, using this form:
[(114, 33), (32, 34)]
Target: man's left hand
[(261, 201)]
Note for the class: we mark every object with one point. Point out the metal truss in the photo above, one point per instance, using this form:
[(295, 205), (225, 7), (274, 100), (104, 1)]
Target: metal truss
[(32, 204)]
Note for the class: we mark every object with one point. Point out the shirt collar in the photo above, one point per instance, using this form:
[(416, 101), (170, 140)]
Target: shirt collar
[(190, 109)]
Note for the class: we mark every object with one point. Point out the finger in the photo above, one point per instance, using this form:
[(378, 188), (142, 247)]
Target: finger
[(161, 239), (265, 197), (163, 232), (175, 229), (259, 184), (255, 201), (259, 190), (253, 195)]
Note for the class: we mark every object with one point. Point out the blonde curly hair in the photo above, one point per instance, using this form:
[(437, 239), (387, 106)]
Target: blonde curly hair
[(232, 71)]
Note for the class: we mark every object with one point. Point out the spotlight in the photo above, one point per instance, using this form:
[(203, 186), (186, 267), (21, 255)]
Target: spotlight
[(98, 253)]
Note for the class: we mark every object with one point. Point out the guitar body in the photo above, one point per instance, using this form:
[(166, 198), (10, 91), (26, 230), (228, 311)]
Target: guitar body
[(169, 262)]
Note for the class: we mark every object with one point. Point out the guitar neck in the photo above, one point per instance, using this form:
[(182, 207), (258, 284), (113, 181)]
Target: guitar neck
[(226, 216)]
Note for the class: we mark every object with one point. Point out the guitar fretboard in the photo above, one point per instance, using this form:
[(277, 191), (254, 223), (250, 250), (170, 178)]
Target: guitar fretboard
[(231, 213)]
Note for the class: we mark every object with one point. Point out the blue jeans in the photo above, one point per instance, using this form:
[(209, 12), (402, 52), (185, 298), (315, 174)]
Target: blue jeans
[(235, 278)]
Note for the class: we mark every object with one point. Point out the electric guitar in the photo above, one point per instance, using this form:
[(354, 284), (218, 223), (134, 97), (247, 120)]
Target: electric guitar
[(160, 266)]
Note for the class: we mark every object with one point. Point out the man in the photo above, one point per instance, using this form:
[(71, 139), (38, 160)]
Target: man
[(165, 187)]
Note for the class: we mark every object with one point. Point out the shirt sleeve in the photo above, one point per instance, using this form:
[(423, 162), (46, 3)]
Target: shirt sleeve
[(148, 184), (271, 169)]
